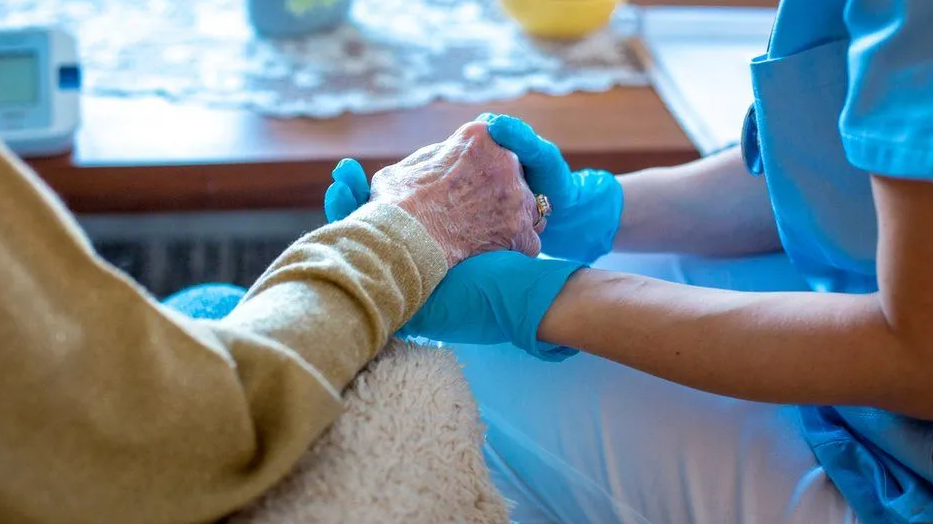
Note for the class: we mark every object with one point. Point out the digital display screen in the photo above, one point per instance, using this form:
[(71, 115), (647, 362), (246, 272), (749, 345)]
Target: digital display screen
[(19, 79)]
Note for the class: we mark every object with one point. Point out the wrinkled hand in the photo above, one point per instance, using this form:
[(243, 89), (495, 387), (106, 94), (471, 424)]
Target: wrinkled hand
[(468, 192), (487, 299), (587, 204)]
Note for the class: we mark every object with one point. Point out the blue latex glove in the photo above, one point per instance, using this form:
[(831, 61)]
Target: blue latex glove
[(495, 297), (487, 299), (587, 204), (349, 191)]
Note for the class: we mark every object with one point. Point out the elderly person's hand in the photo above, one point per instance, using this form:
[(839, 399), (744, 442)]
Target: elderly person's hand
[(469, 194), (486, 299)]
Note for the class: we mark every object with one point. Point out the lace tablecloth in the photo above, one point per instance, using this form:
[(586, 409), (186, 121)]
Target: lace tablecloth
[(392, 54)]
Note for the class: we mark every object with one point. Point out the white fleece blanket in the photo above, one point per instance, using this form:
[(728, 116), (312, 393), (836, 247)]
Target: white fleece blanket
[(407, 450)]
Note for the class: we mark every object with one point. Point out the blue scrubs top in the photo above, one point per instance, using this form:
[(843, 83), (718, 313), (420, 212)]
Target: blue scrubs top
[(846, 90)]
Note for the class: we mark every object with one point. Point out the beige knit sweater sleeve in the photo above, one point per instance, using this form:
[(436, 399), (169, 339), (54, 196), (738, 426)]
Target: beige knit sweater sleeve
[(114, 409)]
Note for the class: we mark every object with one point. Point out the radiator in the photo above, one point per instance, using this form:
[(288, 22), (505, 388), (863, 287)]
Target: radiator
[(168, 252)]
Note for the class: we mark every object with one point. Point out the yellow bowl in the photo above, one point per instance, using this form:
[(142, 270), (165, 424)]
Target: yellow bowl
[(560, 18)]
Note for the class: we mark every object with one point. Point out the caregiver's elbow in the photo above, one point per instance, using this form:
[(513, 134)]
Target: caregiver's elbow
[(911, 388)]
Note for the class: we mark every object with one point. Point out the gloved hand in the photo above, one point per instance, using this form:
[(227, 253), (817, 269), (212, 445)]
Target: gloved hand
[(495, 297), (491, 298), (587, 204), (349, 191)]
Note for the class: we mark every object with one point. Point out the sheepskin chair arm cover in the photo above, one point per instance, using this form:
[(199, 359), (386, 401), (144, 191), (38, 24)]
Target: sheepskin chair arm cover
[(407, 450)]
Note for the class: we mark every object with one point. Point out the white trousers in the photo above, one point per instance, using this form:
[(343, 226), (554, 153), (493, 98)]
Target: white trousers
[(592, 441)]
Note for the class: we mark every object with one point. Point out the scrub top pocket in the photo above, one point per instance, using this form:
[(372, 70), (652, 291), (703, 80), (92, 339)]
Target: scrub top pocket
[(823, 205)]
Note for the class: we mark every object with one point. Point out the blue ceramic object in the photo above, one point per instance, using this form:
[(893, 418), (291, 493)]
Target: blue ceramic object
[(272, 19)]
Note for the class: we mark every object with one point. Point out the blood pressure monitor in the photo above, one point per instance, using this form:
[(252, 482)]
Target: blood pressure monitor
[(39, 85)]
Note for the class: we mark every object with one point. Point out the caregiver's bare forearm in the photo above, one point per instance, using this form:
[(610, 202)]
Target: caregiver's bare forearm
[(708, 207), (802, 348)]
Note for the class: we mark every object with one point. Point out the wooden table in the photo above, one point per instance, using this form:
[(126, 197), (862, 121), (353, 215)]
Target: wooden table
[(136, 155)]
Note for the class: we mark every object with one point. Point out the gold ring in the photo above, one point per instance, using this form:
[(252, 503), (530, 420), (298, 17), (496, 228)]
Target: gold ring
[(544, 206)]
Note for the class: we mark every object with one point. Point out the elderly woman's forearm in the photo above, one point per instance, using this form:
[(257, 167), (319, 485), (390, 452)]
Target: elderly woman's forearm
[(348, 285), (106, 395), (798, 348)]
